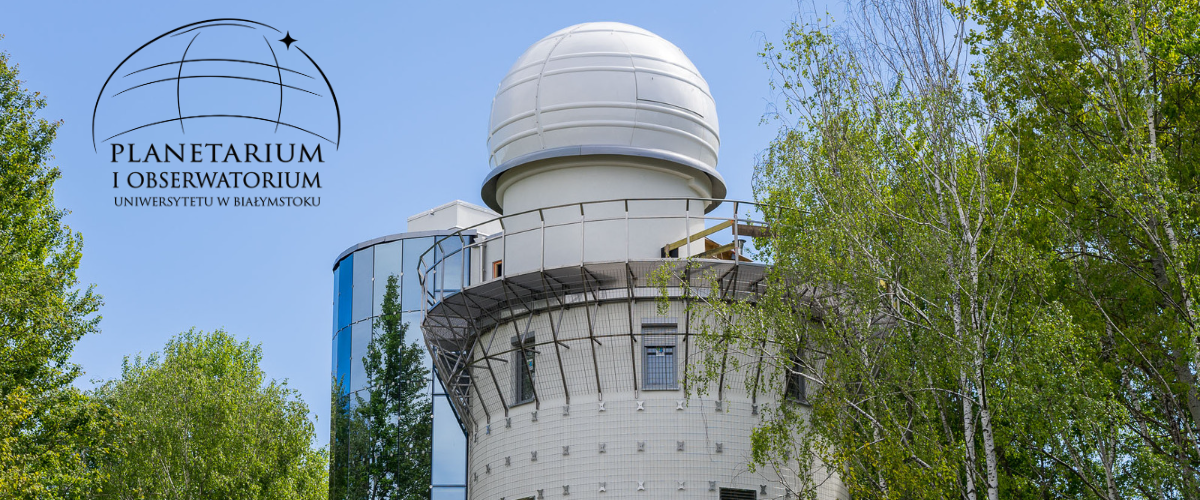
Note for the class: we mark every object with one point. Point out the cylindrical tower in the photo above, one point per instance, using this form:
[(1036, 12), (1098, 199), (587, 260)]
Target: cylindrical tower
[(570, 375)]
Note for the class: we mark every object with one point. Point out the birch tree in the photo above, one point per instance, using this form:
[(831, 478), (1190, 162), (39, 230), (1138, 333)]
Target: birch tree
[(1105, 95), (900, 270)]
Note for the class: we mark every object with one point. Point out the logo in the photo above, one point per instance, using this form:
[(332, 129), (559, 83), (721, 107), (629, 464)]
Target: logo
[(220, 91)]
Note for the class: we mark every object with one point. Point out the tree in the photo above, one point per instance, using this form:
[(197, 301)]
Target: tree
[(989, 256), (201, 422), (1105, 97), (901, 275), (905, 230), (342, 418), (50, 433), (397, 416)]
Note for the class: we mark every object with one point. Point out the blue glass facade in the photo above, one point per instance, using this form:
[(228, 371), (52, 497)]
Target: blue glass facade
[(359, 281)]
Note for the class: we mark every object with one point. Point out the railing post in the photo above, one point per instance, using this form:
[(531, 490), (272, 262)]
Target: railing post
[(503, 248), (737, 246), (462, 252), (582, 236), (483, 261), (431, 293), (687, 226), (542, 216), (627, 235)]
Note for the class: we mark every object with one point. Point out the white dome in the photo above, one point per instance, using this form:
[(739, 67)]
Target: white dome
[(604, 88)]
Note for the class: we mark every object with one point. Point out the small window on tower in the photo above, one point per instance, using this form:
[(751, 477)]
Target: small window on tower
[(658, 362), (524, 369), (797, 384), (497, 269), (732, 494)]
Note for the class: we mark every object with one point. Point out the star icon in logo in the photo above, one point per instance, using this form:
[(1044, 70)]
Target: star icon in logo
[(288, 40)]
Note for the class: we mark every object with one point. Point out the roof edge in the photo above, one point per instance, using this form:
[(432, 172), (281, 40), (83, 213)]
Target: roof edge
[(491, 182), (398, 236)]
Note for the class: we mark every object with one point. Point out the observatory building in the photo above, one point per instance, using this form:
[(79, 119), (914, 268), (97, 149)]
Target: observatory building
[(568, 359)]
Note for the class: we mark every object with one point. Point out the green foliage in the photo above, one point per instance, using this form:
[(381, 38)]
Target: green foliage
[(387, 435), (202, 422), (991, 261), (906, 241), (50, 434), (343, 425), (1103, 94)]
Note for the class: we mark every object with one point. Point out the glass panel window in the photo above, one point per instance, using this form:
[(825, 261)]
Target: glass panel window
[(345, 274), (524, 369), (358, 350), (363, 260), (335, 300), (413, 334), (451, 277), (341, 367), (411, 296), (449, 445), (387, 263), (658, 362), (448, 493)]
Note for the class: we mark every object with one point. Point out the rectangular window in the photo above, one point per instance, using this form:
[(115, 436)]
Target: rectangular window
[(497, 269), (658, 362), (732, 494), (524, 369), (797, 385)]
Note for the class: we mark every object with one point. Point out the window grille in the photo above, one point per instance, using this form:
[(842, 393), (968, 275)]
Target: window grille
[(524, 369), (658, 362)]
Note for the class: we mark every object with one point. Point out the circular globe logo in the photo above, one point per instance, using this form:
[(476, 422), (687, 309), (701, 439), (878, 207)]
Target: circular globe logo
[(219, 79)]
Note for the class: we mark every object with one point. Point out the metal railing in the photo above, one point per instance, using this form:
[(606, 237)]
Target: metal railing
[(732, 226)]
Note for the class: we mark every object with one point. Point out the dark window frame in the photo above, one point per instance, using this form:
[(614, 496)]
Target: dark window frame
[(737, 494), (796, 384), (659, 339), (524, 373)]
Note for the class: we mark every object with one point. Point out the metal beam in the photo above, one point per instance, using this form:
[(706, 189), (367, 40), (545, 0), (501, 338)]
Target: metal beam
[(725, 353), (687, 324), (762, 351), (632, 338), (488, 362), (554, 334), (591, 332), (486, 414)]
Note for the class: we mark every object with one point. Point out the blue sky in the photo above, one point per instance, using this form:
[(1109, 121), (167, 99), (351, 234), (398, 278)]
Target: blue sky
[(414, 84)]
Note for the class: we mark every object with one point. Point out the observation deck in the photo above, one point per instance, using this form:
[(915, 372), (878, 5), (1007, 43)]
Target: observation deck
[(569, 260)]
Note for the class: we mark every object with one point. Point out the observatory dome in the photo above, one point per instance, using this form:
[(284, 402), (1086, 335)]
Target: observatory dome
[(604, 89)]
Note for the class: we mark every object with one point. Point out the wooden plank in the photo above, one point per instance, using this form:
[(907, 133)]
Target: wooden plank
[(754, 231), (715, 251), (694, 237)]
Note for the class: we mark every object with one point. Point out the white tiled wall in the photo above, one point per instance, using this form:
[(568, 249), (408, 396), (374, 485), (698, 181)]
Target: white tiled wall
[(505, 446)]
